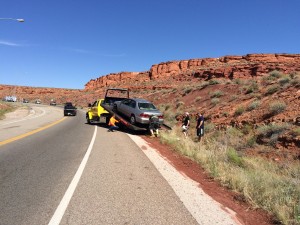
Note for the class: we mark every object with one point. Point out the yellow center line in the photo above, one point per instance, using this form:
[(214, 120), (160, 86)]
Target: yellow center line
[(30, 133)]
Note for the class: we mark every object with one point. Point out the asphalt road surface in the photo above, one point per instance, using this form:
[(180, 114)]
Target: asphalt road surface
[(60, 170)]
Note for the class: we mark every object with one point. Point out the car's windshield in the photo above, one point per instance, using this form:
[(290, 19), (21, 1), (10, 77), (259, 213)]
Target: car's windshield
[(146, 106)]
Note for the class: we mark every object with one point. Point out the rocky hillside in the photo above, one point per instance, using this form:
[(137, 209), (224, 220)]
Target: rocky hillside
[(230, 67), (256, 93)]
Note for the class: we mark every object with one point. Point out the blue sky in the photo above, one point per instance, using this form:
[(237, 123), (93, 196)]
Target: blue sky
[(65, 43)]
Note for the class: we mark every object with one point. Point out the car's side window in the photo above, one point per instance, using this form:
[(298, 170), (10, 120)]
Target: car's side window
[(132, 104), (126, 102)]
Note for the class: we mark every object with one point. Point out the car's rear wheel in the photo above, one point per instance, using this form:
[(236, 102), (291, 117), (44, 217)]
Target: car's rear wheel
[(132, 119)]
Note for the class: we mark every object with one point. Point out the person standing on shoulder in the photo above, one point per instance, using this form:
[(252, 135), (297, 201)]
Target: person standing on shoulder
[(112, 123), (200, 126), (186, 123)]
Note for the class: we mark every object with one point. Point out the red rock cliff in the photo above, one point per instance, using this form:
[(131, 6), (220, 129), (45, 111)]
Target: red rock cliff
[(207, 68)]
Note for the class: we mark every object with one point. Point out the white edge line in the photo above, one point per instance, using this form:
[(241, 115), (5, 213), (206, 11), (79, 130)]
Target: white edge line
[(193, 197), (59, 212)]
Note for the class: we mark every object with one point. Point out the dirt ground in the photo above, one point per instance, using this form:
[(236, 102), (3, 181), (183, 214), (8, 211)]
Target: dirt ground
[(245, 213)]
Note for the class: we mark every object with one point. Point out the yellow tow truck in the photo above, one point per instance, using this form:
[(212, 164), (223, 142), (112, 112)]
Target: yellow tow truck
[(96, 112)]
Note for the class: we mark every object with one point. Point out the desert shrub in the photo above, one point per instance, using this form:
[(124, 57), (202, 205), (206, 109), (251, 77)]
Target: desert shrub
[(253, 105), (272, 89), (202, 85), (296, 81), (256, 95), (239, 111), (263, 183), (284, 80), (251, 141), (234, 132), (272, 131), (187, 90), (246, 129), (170, 117), (293, 75), (213, 82), (237, 81), (198, 98), (5, 108), (209, 127), (233, 157), (296, 131), (226, 114), (215, 101), (277, 107), (253, 87), (164, 107), (216, 94), (233, 97), (168, 106), (179, 104), (267, 79), (276, 74)]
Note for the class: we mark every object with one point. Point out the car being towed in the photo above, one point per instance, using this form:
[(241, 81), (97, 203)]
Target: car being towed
[(137, 110)]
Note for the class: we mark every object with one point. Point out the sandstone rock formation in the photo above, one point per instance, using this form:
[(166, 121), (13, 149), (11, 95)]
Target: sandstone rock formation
[(251, 65)]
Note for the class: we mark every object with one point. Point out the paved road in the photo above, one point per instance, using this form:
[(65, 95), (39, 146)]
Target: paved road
[(74, 173)]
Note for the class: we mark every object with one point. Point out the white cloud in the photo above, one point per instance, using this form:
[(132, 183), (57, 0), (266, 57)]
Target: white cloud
[(79, 50), (9, 43)]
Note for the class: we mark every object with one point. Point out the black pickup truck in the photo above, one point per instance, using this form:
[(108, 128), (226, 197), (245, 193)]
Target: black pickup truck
[(69, 109)]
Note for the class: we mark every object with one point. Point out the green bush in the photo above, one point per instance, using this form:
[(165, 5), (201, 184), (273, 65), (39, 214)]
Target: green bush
[(253, 87), (239, 111), (277, 107), (215, 101), (213, 82), (296, 82), (216, 94), (233, 157), (187, 90), (233, 97), (5, 108), (198, 98), (284, 80), (202, 85), (276, 74), (267, 131), (251, 141), (296, 131), (179, 104), (253, 105), (209, 127), (237, 81), (272, 89)]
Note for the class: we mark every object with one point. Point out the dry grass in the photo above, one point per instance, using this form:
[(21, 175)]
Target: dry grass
[(5, 108), (265, 184)]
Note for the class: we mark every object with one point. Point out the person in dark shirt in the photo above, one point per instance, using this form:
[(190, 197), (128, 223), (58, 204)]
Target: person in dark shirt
[(200, 126), (154, 125), (186, 123)]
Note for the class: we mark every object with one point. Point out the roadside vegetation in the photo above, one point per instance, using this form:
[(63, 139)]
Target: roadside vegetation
[(268, 183), (5, 108)]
